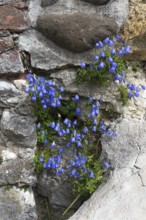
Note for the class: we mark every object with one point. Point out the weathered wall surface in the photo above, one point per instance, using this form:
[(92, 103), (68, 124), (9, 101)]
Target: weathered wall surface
[(53, 37), (17, 146), (123, 195)]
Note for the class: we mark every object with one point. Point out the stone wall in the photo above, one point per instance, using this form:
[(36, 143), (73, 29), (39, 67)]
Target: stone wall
[(17, 124), (17, 147), (51, 38)]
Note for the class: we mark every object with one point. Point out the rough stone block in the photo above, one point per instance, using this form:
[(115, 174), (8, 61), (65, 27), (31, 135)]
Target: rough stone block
[(6, 42), (17, 204), (19, 129), (77, 31), (13, 19), (10, 63)]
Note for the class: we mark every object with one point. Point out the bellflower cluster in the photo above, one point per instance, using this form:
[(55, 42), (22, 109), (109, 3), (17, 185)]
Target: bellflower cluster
[(76, 165), (94, 110), (134, 91), (104, 130), (53, 162), (96, 124), (74, 133), (56, 124), (108, 64), (106, 165), (44, 90), (74, 137)]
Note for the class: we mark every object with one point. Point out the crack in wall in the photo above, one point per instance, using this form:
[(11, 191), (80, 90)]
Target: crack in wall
[(142, 183), (138, 154), (139, 151)]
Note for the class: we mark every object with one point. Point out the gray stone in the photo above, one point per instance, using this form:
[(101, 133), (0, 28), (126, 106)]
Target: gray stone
[(11, 151), (77, 31), (142, 175), (58, 189), (141, 159), (46, 3), (10, 63), (19, 129), (108, 94), (125, 183), (1, 111), (4, 33), (9, 95), (118, 10), (3, 139), (126, 154), (26, 110), (20, 83), (35, 10), (138, 45), (17, 171), (6, 41), (47, 56), (97, 2), (44, 54), (123, 195), (17, 204), (21, 107)]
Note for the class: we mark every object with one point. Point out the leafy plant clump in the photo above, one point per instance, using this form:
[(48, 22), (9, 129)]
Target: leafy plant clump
[(68, 145), (60, 130), (108, 63), (123, 94)]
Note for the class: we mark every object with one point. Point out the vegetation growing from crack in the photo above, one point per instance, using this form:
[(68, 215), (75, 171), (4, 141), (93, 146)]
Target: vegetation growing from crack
[(109, 65), (57, 121), (61, 129)]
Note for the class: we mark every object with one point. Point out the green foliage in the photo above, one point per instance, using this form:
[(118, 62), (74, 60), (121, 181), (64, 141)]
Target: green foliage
[(45, 117), (136, 65), (124, 94), (67, 109), (46, 153), (85, 185), (102, 76), (9, 187), (110, 113), (24, 188), (60, 131), (86, 75)]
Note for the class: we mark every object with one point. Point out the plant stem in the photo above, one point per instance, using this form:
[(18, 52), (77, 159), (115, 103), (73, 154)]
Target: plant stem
[(48, 211), (71, 205)]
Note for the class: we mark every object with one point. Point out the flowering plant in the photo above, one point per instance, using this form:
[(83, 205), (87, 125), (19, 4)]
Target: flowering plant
[(80, 136), (108, 63), (60, 120)]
